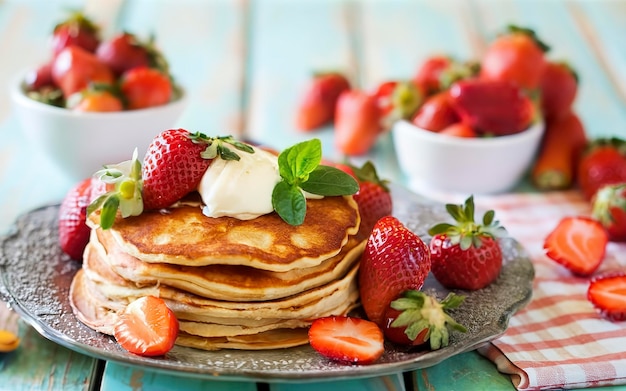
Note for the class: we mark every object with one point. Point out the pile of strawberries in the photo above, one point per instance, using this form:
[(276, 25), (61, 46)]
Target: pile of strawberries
[(86, 73), (503, 93)]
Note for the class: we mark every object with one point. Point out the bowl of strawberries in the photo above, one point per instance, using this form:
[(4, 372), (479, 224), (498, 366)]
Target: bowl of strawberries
[(485, 146), (93, 101)]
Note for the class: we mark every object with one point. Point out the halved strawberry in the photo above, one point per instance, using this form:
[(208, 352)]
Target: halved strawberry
[(467, 254), (608, 295), (578, 243), (417, 318), (373, 197), (73, 231), (147, 327), (395, 260), (347, 339)]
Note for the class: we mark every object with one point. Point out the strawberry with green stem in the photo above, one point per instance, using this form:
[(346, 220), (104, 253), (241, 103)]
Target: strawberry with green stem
[(417, 318), (467, 254), (609, 208), (374, 198), (395, 260)]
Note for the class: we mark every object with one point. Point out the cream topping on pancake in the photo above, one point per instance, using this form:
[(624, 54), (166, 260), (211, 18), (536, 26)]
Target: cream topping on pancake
[(240, 188)]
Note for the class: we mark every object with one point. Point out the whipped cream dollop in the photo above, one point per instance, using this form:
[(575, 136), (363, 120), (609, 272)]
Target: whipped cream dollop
[(240, 188)]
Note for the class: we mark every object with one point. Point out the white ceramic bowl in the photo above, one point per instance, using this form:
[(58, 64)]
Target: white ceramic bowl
[(439, 163), (80, 143)]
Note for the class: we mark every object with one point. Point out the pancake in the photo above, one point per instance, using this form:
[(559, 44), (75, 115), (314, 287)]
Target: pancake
[(222, 282), (184, 236)]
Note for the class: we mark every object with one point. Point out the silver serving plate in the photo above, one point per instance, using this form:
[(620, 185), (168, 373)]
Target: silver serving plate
[(36, 277)]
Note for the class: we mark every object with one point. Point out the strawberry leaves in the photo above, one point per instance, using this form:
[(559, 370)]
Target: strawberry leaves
[(300, 170)]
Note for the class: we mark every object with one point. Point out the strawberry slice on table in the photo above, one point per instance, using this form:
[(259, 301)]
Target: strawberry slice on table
[(492, 107), (609, 208), (395, 260), (317, 105), (373, 197), (466, 255), (578, 243), (73, 230), (417, 318), (347, 339), (607, 293), (357, 122), (147, 327), (603, 162)]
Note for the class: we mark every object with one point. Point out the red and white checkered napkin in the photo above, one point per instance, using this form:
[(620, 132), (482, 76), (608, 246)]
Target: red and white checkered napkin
[(558, 340)]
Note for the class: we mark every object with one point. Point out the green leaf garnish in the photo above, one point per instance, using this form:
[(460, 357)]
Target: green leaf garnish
[(300, 170), (219, 146)]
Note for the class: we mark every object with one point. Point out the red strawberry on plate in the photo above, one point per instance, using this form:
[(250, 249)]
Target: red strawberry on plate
[(357, 122), (608, 295), (347, 339), (417, 318), (395, 260), (317, 106), (578, 243), (602, 163), (373, 197), (176, 161), (147, 327), (73, 230), (467, 254), (495, 108)]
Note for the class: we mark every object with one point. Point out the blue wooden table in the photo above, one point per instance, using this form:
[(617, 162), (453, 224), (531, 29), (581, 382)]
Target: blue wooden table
[(244, 64)]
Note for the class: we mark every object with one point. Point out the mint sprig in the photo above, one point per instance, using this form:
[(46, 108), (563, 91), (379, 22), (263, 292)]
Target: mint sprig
[(300, 170)]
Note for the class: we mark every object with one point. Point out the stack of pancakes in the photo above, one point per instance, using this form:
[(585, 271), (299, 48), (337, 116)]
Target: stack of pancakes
[(239, 284)]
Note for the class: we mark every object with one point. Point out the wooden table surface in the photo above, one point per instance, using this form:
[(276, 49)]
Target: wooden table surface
[(244, 64)]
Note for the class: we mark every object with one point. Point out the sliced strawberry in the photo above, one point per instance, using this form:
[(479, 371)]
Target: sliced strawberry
[(73, 230), (436, 113), (395, 260), (347, 339), (417, 318), (466, 255), (357, 122), (373, 197), (319, 100), (578, 243), (492, 107), (147, 327), (608, 295), (609, 208)]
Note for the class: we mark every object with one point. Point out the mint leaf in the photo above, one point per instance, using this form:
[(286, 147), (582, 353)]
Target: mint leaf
[(289, 202), (330, 181), (300, 169), (297, 162)]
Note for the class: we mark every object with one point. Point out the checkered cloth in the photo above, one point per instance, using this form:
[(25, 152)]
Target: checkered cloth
[(558, 340)]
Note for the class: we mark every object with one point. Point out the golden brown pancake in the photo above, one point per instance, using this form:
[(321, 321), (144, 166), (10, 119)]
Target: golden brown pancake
[(222, 282), (184, 236)]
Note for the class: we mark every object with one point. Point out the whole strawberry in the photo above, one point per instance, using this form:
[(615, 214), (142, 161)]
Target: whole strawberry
[(175, 162), (609, 208), (317, 105), (73, 230), (373, 197), (417, 318), (603, 162), (76, 30), (395, 260), (466, 255)]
